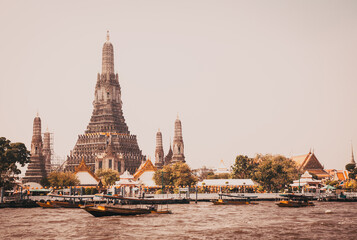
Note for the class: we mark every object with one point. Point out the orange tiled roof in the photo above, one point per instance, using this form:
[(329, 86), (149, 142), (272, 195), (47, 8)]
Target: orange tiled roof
[(300, 159), (147, 166), (82, 167), (320, 173)]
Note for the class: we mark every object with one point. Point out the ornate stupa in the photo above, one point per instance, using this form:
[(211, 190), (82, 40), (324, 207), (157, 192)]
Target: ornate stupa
[(178, 149), (159, 152), (36, 170), (107, 127)]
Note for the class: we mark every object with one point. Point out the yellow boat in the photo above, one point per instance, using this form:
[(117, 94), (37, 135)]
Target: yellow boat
[(47, 204), (292, 200)]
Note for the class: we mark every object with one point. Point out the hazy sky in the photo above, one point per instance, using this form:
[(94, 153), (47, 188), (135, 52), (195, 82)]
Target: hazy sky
[(246, 77)]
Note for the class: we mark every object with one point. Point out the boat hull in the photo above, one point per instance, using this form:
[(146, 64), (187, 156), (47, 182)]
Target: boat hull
[(64, 204), (230, 202), (295, 204), (102, 211), (46, 205)]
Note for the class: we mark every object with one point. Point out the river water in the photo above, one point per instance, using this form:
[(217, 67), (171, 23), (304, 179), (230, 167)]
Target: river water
[(189, 221)]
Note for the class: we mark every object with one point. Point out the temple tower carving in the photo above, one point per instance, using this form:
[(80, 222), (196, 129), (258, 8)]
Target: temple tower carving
[(159, 152), (36, 169), (178, 148), (47, 150), (107, 142), (168, 157)]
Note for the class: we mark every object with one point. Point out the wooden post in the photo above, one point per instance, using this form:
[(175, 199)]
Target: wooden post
[(2, 195)]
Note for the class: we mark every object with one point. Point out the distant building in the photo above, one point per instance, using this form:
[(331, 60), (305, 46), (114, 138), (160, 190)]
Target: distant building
[(178, 149), (144, 175), (168, 157), (159, 152), (221, 168), (310, 163), (306, 181), (338, 175), (352, 163), (107, 142), (85, 176), (341, 175), (174, 155), (40, 163)]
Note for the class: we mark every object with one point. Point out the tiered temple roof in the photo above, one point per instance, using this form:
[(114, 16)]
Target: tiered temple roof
[(107, 124), (309, 162)]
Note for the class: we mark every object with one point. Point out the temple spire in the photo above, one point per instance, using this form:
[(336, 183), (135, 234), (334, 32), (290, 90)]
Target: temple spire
[(159, 152), (108, 57), (36, 170), (178, 146), (353, 158)]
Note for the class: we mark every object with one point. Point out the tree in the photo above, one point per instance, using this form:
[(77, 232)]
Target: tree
[(352, 170), (178, 174), (274, 172), (108, 176), (218, 176), (244, 167), (204, 173), (62, 179), (11, 154)]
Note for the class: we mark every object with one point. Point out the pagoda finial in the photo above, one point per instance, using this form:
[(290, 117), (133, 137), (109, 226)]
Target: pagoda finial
[(353, 158), (107, 35)]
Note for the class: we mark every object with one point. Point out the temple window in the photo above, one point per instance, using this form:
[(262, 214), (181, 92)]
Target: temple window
[(100, 165), (110, 163)]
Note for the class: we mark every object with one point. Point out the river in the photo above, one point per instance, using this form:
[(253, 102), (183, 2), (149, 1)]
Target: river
[(190, 221)]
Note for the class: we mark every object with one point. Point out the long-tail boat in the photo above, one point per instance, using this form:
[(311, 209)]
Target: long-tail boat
[(101, 211), (47, 204), (295, 200), (68, 201), (128, 206), (229, 199)]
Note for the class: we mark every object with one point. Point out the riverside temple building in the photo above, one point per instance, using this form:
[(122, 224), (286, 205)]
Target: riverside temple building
[(107, 142)]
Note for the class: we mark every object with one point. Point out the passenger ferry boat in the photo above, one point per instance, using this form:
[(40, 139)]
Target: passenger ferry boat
[(67, 201), (128, 206), (295, 200), (228, 199)]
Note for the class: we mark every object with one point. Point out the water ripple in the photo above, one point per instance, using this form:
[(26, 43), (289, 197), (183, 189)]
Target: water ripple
[(194, 221)]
